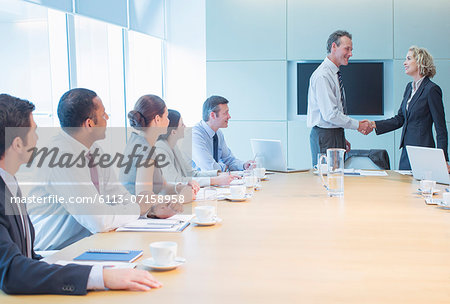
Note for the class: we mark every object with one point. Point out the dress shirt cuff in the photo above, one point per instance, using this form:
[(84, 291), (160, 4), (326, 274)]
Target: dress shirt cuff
[(354, 124), (95, 280)]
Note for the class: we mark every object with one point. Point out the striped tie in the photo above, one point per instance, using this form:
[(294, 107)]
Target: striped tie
[(341, 88)]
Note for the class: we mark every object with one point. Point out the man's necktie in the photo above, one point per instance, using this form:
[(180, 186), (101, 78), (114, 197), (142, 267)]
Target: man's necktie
[(216, 147), (26, 224), (93, 171), (341, 88)]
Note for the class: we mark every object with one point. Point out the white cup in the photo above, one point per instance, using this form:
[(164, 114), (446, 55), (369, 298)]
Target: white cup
[(260, 172), (427, 186), (205, 213), (446, 198), (250, 181), (164, 253), (237, 191), (323, 167)]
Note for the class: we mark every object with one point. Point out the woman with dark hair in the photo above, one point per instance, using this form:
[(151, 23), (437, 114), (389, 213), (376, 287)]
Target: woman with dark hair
[(149, 118), (421, 107), (178, 169)]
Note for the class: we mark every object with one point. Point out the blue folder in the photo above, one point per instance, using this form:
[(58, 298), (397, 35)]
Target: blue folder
[(126, 256)]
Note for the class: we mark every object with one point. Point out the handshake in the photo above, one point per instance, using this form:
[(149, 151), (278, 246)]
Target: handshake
[(366, 126)]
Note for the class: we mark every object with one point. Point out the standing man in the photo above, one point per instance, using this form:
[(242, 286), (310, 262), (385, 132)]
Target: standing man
[(327, 111), (21, 272), (209, 149)]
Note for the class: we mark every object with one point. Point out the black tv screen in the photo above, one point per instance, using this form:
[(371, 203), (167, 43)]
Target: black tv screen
[(363, 83)]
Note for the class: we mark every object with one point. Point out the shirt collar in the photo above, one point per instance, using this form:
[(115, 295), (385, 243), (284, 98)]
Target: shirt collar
[(77, 147), (207, 128), (416, 84), (10, 181), (331, 65)]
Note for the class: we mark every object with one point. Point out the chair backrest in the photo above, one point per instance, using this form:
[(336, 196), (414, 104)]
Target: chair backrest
[(367, 159)]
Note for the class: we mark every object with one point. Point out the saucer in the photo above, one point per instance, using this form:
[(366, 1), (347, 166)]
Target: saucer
[(435, 191), (232, 199), (265, 178), (150, 262), (213, 222)]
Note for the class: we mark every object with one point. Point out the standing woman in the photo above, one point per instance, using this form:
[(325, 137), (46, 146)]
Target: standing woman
[(149, 119), (178, 169), (421, 108)]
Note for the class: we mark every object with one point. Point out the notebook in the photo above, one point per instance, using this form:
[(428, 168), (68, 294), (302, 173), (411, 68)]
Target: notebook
[(110, 255)]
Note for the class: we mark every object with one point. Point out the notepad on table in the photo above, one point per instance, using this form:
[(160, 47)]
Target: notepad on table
[(113, 255), (176, 223)]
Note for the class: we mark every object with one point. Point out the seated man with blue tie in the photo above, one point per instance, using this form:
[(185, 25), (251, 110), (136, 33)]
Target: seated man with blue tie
[(209, 150), (83, 120), (21, 272)]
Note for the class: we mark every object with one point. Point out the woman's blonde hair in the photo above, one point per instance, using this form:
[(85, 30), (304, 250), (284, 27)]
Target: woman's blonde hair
[(424, 61)]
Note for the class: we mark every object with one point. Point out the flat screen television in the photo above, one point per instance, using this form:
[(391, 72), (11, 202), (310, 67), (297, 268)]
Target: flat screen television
[(363, 83)]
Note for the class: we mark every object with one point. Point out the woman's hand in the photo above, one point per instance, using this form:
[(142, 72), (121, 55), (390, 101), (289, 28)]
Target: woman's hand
[(195, 186), (223, 179)]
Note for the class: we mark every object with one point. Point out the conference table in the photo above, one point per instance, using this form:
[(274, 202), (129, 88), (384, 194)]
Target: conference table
[(290, 243)]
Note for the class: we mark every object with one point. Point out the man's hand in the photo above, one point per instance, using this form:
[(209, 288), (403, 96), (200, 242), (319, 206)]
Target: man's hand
[(165, 210), (348, 146), (365, 127), (129, 279), (250, 164)]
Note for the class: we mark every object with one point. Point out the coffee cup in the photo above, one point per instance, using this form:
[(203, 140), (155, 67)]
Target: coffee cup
[(427, 186), (163, 253), (250, 181), (237, 191), (205, 213), (260, 172), (321, 168), (446, 198)]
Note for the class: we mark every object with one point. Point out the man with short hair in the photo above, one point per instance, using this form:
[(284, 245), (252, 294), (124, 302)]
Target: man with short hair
[(83, 120), (21, 272), (209, 149), (327, 109)]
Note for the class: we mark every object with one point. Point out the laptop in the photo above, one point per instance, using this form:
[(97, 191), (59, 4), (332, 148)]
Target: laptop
[(428, 163), (270, 153)]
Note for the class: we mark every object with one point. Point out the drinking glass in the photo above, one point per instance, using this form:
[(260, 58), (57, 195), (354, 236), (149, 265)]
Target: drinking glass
[(335, 173)]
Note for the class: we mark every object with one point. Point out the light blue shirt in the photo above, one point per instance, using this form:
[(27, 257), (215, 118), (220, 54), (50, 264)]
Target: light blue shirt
[(202, 150)]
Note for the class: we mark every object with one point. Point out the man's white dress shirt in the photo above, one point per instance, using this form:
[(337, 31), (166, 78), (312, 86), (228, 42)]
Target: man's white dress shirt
[(325, 108), (59, 225)]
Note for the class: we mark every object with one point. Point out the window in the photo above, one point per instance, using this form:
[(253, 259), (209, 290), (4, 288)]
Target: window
[(99, 64), (144, 68), (33, 56)]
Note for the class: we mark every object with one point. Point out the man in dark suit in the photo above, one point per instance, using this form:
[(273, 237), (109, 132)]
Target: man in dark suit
[(21, 272)]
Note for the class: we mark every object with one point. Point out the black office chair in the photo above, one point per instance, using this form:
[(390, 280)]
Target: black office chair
[(367, 159)]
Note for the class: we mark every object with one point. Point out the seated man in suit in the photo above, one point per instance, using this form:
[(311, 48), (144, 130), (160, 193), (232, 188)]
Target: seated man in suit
[(209, 150), (21, 272), (83, 120)]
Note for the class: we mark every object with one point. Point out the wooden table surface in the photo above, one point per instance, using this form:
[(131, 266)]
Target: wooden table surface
[(292, 244)]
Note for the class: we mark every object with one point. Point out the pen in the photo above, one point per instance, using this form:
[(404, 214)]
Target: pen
[(107, 251)]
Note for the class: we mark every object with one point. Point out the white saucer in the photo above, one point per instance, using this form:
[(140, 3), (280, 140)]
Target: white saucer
[(435, 191), (442, 204), (232, 199), (150, 262), (265, 178), (195, 220)]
